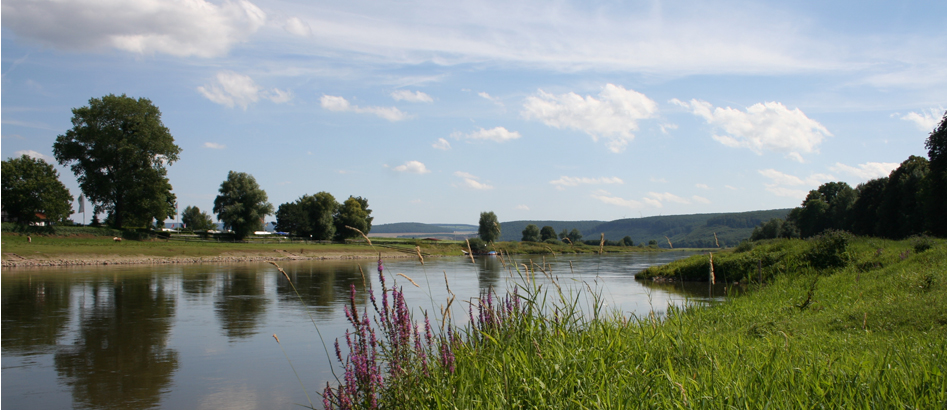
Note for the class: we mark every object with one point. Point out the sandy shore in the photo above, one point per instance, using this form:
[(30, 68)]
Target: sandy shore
[(16, 261)]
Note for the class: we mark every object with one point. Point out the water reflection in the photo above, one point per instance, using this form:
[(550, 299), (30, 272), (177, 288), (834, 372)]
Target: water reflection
[(489, 272), (699, 291), (119, 357), (321, 285), (241, 304), (35, 314)]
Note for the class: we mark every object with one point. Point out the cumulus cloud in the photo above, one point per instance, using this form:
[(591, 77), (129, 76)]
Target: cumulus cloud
[(340, 104), (787, 185), (521, 207), (412, 167), (441, 144), (232, 89), (180, 28), (667, 197), (498, 134), (617, 201), (214, 145), (417, 96), (35, 155), (565, 181), (700, 199), (297, 27), (702, 186), (866, 171), (926, 120), (768, 126), (471, 181), (614, 115)]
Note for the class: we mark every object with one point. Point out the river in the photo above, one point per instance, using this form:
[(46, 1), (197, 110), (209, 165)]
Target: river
[(201, 336)]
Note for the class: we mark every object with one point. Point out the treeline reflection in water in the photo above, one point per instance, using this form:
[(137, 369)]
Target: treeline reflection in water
[(200, 336)]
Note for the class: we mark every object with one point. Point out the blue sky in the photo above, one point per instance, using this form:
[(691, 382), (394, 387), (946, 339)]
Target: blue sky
[(436, 111)]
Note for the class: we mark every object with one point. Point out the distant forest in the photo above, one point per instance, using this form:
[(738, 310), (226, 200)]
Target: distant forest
[(684, 231)]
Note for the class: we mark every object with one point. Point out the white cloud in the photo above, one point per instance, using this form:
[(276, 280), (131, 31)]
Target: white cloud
[(614, 115), (618, 201), (491, 98), (768, 126), (340, 104), (35, 155), (214, 145), (297, 27), (413, 167), (498, 134), (180, 28), (702, 186), (700, 199), (521, 207), (441, 144), (866, 171), (667, 197), (926, 120), (565, 181), (779, 183), (417, 96), (471, 181), (234, 89)]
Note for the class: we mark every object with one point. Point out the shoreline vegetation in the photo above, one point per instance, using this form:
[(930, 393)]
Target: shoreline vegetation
[(837, 322), (84, 246)]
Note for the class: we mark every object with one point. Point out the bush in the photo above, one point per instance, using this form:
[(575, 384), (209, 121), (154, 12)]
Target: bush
[(477, 245), (744, 246), (829, 249), (921, 243), (553, 241)]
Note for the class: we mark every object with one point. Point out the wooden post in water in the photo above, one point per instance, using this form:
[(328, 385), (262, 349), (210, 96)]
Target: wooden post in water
[(713, 280)]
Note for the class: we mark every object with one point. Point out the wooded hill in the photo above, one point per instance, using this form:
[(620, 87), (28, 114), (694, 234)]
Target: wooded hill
[(685, 231)]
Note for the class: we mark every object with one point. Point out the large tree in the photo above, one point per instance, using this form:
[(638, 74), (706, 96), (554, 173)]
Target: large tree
[(118, 149), (241, 204), (531, 233), (195, 220), (353, 213), (549, 232), (936, 189), (489, 229), (32, 186)]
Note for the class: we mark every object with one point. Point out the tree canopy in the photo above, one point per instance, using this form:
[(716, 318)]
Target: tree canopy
[(547, 232), (118, 149), (936, 188), (32, 186), (353, 213), (195, 220), (531, 233), (241, 204), (489, 229)]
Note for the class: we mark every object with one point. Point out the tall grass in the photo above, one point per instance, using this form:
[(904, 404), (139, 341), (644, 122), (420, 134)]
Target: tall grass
[(871, 333)]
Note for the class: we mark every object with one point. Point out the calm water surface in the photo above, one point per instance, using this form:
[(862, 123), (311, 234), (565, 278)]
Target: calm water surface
[(201, 336)]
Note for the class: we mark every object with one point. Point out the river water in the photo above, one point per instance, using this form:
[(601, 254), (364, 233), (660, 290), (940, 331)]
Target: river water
[(201, 336)]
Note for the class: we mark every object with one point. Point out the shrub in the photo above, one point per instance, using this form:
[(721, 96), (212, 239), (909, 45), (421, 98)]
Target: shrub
[(921, 243), (829, 249)]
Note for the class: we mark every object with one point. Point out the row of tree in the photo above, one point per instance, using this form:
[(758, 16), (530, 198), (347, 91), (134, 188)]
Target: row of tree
[(320, 217), (912, 200), (533, 233), (119, 151)]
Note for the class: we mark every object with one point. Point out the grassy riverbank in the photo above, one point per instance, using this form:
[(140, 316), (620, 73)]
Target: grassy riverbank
[(84, 245), (867, 332)]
